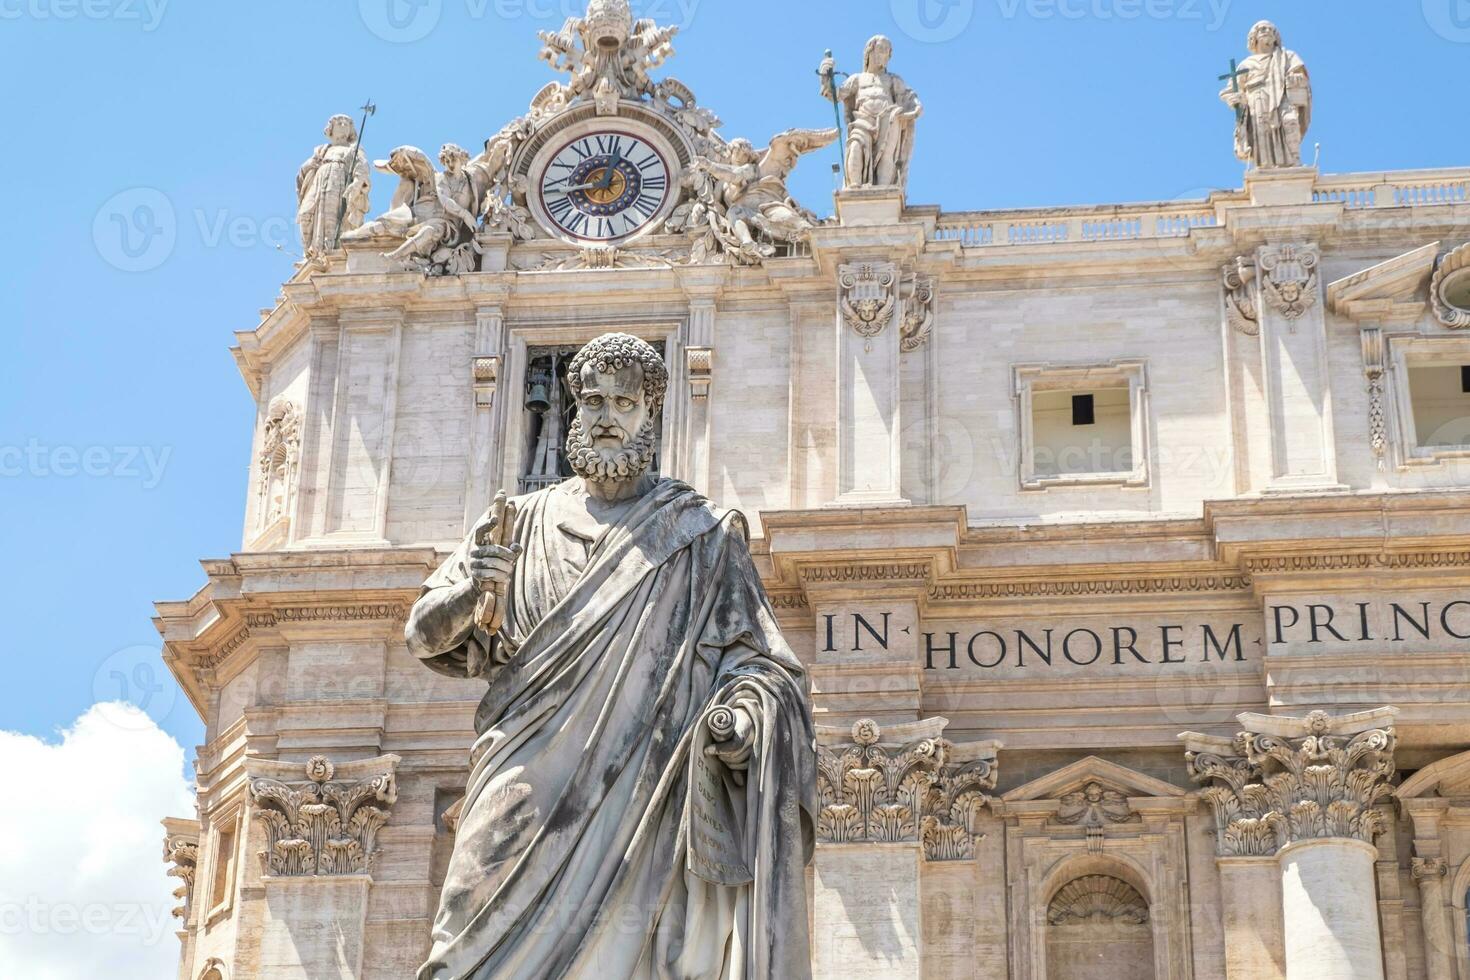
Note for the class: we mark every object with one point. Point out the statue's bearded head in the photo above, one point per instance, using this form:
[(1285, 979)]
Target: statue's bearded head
[(877, 55), (619, 383), (1264, 38)]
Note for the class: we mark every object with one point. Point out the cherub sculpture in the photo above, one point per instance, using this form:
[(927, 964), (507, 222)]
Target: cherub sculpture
[(432, 212), (742, 200)]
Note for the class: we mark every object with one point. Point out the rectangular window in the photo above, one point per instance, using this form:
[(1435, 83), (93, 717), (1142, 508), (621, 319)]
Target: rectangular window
[(1441, 410), (221, 885), (1083, 425), (1084, 410)]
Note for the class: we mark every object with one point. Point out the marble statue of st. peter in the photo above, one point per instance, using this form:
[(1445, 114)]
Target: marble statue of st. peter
[(641, 795)]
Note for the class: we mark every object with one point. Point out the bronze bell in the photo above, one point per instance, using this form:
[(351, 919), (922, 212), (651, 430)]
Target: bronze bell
[(539, 400)]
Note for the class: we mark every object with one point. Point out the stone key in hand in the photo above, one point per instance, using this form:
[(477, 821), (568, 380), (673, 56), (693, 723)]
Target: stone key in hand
[(490, 612)]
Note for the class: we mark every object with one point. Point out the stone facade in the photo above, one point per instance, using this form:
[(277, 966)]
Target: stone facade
[(1032, 492)]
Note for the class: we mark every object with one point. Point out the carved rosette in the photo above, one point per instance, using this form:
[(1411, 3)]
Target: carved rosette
[(322, 824), (868, 297), (918, 312), (1275, 788), (181, 853), (1288, 277), (917, 792), (1242, 297), (1451, 273)]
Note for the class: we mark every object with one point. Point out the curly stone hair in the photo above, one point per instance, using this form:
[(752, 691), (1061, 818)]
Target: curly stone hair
[(614, 351)]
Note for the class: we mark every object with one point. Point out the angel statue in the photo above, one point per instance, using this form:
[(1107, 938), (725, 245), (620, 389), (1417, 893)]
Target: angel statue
[(332, 187), (432, 212), (749, 208), (501, 204)]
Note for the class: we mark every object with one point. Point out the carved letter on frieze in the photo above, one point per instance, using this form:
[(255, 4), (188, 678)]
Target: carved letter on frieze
[(920, 791), (1289, 276), (317, 823), (918, 312), (1241, 297), (1295, 779), (181, 852), (868, 297)]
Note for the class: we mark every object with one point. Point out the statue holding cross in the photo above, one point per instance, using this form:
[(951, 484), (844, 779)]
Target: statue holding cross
[(1271, 94)]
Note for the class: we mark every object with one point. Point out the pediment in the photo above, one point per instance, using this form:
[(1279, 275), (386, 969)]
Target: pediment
[(1111, 776), (1395, 291)]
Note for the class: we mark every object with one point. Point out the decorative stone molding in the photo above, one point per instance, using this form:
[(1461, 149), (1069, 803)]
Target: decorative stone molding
[(181, 853), (1097, 898), (1424, 868), (701, 362), (390, 612), (918, 312), (1288, 275), (1448, 288), (1285, 780), (1094, 805), (1374, 366), (319, 821), (868, 297), (280, 462), (865, 573), (1337, 563), (486, 375), (923, 789), (966, 591), (1242, 297)]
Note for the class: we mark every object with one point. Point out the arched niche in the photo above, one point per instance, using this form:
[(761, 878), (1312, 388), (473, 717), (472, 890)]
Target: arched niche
[(1098, 923)]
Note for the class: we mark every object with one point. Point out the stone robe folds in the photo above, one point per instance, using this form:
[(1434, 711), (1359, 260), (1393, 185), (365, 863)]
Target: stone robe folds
[(596, 839), (1278, 109)]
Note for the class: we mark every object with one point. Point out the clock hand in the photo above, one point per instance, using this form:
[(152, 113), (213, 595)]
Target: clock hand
[(607, 177)]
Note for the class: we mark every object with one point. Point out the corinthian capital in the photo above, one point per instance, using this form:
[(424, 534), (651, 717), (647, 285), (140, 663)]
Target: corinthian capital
[(1284, 780), (321, 819)]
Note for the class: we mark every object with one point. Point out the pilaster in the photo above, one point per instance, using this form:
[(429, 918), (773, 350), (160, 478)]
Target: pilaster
[(869, 385)]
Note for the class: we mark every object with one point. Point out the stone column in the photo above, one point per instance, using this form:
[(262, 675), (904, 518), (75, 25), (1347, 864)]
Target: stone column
[(891, 799), (1430, 868), (1304, 790)]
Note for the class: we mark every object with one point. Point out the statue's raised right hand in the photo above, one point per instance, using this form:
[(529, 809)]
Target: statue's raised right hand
[(493, 555)]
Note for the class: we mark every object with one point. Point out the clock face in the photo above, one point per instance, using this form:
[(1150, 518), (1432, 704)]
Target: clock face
[(605, 187)]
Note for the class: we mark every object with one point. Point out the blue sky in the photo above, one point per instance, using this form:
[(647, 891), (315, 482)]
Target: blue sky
[(124, 426)]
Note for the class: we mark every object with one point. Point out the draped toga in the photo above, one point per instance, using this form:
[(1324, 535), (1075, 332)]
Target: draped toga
[(597, 839)]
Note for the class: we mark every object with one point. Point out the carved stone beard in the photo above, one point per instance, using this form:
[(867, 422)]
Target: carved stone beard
[(610, 465)]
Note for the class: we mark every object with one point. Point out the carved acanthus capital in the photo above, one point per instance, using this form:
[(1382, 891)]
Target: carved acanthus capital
[(1242, 297), (1288, 275), (918, 312), (868, 297), (1285, 780), (877, 788), (181, 853), (321, 819)]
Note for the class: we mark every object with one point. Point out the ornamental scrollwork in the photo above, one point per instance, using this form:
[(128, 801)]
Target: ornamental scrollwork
[(320, 824), (868, 297), (876, 793)]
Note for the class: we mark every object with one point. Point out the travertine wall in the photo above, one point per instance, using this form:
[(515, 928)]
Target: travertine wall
[(1258, 561)]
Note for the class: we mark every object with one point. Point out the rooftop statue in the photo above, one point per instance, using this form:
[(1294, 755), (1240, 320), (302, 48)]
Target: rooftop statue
[(641, 801), (1272, 97), (881, 112), (332, 188)]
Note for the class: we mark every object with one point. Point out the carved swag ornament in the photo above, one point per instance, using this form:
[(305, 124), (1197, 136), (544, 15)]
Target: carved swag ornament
[(320, 825), (871, 793)]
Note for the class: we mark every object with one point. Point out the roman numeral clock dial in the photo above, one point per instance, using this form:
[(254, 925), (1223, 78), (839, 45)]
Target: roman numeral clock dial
[(603, 188)]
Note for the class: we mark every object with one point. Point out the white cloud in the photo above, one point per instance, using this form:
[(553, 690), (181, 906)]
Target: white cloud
[(82, 886)]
